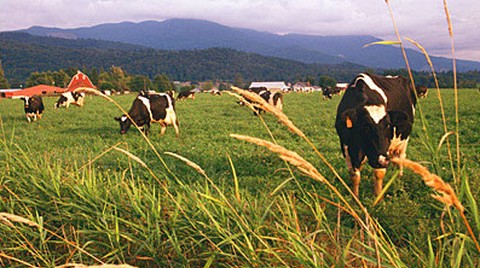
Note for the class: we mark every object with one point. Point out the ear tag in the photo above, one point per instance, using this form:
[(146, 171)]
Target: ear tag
[(349, 122)]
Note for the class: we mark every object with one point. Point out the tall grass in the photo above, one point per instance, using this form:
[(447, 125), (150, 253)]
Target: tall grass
[(154, 207)]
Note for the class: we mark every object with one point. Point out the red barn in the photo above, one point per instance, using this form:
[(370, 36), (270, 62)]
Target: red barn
[(79, 80), (35, 90)]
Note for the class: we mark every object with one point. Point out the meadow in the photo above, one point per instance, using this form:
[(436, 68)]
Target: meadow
[(88, 194)]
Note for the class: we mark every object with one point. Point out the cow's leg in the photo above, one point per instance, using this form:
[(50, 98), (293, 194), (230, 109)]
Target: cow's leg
[(355, 177), (175, 126), (354, 172), (379, 175), (146, 129), (164, 127), (28, 118)]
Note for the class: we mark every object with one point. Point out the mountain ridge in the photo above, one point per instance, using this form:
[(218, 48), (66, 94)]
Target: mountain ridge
[(190, 34)]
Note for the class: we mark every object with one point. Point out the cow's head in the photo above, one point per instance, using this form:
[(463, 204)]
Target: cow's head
[(26, 101), (370, 126), (125, 123), (61, 102)]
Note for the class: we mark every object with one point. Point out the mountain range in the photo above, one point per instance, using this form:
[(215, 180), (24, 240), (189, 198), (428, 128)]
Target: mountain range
[(190, 34)]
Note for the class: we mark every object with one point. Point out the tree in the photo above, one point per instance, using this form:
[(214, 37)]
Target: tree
[(326, 81), (140, 82), (106, 86), (310, 79), (60, 78), (119, 78), (93, 74), (162, 83), (238, 81), (37, 78), (3, 79), (208, 85)]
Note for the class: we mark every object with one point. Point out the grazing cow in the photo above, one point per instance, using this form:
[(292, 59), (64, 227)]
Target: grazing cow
[(374, 121), (186, 95), (273, 98), (148, 108), (258, 89), (328, 92), (33, 107), (70, 97), (422, 91)]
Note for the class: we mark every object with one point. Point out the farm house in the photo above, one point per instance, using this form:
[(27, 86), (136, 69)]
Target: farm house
[(274, 86)]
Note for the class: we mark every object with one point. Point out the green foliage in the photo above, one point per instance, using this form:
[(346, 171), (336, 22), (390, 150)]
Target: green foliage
[(326, 81), (140, 82), (162, 83), (3, 80)]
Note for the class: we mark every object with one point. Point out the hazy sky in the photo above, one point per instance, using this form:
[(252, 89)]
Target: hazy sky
[(422, 20)]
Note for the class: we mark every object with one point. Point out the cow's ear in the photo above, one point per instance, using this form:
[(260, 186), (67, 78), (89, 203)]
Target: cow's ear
[(349, 117), (117, 119)]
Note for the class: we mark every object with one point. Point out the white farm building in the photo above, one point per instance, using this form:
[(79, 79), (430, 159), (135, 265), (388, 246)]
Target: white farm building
[(273, 86)]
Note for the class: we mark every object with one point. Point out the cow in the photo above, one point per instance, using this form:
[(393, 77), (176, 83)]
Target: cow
[(374, 121), (258, 89), (328, 92), (273, 98), (422, 91), (148, 108), (186, 95), (70, 97), (33, 107)]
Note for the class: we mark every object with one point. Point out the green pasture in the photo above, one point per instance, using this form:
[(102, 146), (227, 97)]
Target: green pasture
[(68, 173)]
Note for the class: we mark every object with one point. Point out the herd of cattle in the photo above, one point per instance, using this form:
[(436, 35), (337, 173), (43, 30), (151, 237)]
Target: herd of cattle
[(374, 118), (34, 105)]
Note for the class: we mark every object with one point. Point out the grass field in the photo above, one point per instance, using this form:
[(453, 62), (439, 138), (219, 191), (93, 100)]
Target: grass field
[(98, 204)]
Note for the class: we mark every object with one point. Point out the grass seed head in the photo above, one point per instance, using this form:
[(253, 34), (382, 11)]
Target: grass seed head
[(447, 194)]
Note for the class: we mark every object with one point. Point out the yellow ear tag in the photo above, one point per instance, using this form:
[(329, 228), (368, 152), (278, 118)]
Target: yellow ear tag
[(349, 122)]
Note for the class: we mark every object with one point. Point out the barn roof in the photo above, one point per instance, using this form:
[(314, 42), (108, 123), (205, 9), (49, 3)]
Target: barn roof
[(79, 80), (35, 90), (269, 85)]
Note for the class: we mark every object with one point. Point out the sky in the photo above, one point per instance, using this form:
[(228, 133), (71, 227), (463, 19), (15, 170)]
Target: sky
[(424, 21)]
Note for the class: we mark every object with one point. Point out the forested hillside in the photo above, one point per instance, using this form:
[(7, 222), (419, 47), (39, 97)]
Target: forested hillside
[(22, 54)]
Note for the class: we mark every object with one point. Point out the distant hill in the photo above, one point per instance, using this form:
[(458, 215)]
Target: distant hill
[(22, 54), (189, 34)]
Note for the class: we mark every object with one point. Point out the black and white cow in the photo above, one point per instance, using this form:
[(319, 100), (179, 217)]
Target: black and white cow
[(422, 91), (328, 92), (33, 107), (148, 108), (273, 98), (70, 97), (186, 95), (374, 121)]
